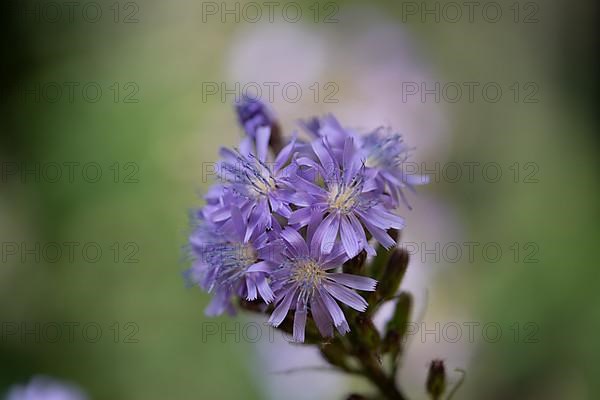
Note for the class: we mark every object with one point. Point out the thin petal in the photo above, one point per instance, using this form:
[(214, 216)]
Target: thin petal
[(262, 142), (251, 286), (300, 321), (334, 310), (351, 166), (295, 240), (346, 296), (384, 219), (343, 328), (284, 154), (350, 239), (321, 316), (324, 157), (358, 229), (264, 289), (282, 308), (237, 222), (260, 266), (246, 146), (354, 281), (316, 244), (330, 235), (301, 216)]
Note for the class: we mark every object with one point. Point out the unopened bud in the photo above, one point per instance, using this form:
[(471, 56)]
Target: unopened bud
[(436, 379), (392, 275), (355, 396), (254, 114), (367, 331), (335, 354), (381, 259), (397, 325)]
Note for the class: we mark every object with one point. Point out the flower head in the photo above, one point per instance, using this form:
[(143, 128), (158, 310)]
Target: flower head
[(229, 262), (383, 152), (348, 200), (306, 282), (258, 187), (386, 153), (253, 114)]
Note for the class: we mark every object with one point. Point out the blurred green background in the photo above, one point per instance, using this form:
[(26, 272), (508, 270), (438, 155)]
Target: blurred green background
[(171, 132)]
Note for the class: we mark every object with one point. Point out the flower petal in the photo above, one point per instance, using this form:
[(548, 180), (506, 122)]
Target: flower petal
[(325, 158), (354, 281), (284, 154), (301, 216), (264, 289), (300, 321), (321, 316), (237, 223), (251, 286), (282, 308), (334, 310), (260, 266), (263, 134), (319, 235), (295, 240), (343, 328), (346, 296), (350, 240)]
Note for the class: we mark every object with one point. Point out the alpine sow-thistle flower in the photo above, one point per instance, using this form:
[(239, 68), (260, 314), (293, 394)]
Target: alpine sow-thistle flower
[(230, 262), (277, 228), (305, 282), (347, 201)]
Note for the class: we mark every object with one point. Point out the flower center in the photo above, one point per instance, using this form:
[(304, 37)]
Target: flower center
[(263, 185), (383, 151), (309, 274), (247, 255), (260, 179), (372, 160), (231, 261), (342, 198)]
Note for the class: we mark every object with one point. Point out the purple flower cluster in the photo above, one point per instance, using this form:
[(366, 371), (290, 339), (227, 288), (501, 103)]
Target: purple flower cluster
[(278, 227)]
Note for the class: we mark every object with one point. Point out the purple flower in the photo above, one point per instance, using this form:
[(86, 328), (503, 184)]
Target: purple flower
[(258, 187), (43, 388), (230, 262), (329, 128), (253, 114), (348, 200), (386, 153), (307, 283)]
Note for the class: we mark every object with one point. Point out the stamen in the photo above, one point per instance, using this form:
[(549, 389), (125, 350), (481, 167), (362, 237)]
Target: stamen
[(258, 176), (309, 275), (232, 261), (344, 198)]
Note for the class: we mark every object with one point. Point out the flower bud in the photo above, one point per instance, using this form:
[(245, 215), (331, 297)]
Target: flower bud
[(397, 325), (392, 275), (368, 333), (335, 354), (253, 114), (436, 379), (355, 396), (380, 261)]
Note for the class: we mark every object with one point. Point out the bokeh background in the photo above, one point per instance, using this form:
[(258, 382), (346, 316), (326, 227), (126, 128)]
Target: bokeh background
[(155, 128)]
